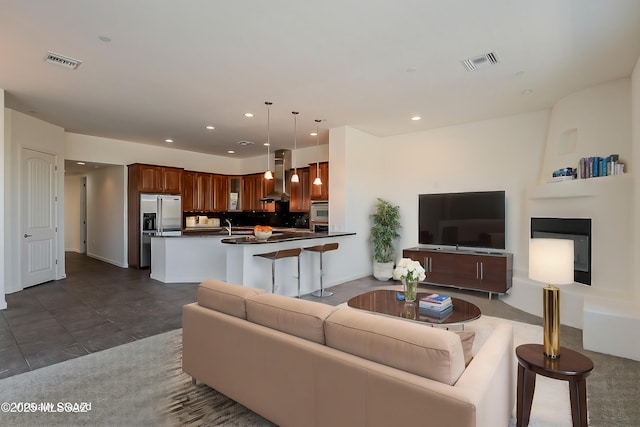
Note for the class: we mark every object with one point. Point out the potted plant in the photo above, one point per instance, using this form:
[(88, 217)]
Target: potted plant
[(386, 222)]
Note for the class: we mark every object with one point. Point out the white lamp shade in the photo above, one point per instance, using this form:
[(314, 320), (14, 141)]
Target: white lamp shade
[(551, 261)]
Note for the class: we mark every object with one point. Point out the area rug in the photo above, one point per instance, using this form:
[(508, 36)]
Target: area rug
[(142, 384)]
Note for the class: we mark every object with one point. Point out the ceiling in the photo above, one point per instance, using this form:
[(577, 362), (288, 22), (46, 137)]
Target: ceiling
[(159, 69)]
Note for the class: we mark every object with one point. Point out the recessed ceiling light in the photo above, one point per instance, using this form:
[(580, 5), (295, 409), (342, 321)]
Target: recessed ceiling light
[(230, 151), (411, 69), (211, 127), (168, 140), (80, 163), (248, 114), (527, 91), (313, 134), (266, 144), (416, 118)]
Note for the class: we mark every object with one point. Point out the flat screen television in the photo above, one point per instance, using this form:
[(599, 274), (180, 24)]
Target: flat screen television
[(469, 219)]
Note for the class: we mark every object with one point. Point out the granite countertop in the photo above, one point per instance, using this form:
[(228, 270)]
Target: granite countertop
[(278, 237)]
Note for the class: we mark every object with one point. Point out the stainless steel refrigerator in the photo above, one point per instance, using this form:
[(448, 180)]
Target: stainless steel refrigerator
[(160, 215)]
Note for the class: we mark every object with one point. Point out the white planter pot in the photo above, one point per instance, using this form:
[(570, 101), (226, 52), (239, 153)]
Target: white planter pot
[(383, 270)]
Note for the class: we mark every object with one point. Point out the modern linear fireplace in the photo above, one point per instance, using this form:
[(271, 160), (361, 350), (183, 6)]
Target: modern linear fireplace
[(576, 229)]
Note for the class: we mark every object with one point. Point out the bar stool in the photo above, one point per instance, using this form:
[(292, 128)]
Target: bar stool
[(321, 249), (284, 253)]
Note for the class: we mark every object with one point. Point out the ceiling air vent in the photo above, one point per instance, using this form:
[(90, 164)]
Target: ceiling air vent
[(244, 143), (481, 61), (63, 61)]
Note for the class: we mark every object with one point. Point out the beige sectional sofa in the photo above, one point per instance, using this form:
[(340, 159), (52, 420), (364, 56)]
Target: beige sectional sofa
[(303, 363)]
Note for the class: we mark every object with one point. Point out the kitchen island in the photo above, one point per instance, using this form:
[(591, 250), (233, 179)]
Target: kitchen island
[(201, 254), (243, 267)]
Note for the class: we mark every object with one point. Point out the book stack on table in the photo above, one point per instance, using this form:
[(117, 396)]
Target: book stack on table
[(435, 305)]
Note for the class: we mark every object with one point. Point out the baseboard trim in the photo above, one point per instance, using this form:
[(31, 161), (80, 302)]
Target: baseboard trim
[(107, 260)]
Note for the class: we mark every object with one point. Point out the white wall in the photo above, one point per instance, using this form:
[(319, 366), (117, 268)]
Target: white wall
[(22, 131), (107, 215), (513, 153), (3, 193), (118, 152), (500, 154), (601, 118), (72, 213), (300, 158), (350, 192), (635, 160)]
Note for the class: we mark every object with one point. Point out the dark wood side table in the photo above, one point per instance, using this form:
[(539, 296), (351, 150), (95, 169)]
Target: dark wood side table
[(570, 366)]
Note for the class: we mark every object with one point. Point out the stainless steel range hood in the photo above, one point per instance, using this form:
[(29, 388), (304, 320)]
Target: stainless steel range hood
[(280, 189)]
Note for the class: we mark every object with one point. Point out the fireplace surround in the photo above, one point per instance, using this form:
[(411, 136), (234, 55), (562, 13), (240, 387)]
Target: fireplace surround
[(576, 229)]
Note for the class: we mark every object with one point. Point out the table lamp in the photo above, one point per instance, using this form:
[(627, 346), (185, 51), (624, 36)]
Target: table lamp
[(551, 261)]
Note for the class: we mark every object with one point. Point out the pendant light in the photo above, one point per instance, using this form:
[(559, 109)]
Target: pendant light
[(317, 181), (268, 174), (294, 177)]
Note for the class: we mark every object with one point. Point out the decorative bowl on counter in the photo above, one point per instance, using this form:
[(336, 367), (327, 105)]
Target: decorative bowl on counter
[(262, 232), (262, 235)]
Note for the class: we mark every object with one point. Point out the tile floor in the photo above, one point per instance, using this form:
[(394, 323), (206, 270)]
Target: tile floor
[(96, 307)]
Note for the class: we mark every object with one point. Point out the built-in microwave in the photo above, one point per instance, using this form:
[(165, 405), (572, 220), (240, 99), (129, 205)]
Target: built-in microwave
[(320, 228), (319, 211)]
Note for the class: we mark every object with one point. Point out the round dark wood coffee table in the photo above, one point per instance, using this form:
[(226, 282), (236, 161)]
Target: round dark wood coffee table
[(385, 301), (570, 366)]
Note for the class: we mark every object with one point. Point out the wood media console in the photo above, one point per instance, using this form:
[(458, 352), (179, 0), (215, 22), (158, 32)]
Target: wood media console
[(490, 272)]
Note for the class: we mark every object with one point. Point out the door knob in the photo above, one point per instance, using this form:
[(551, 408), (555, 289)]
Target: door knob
[(27, 235)]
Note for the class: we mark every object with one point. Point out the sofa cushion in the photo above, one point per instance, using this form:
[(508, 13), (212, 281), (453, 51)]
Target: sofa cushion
[(467, 338), (301, 318), (225, 297), (420, 349)]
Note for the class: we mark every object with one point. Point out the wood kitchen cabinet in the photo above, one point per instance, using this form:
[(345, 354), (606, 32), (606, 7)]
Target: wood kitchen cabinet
[(249, 192), (319, 192), (155, 179), (465, 269), (300, 191), (204, 186), (197, 192), (189, 191), (254, 188), (220, 192)]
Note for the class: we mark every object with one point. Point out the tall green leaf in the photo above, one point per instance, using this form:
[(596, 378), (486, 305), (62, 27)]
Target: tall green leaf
[(386, 223)]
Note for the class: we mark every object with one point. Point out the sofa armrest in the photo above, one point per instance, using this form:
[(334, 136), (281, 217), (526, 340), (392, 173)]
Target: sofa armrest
[(490, 376)]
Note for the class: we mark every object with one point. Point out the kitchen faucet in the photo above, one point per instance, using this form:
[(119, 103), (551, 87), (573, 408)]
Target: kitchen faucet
[(229, 227)]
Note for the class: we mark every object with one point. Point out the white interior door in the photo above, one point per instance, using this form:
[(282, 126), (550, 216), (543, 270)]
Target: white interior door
[(38, 217)]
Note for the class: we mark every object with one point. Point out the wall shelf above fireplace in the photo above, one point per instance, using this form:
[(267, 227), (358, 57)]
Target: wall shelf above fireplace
[(581, 187)]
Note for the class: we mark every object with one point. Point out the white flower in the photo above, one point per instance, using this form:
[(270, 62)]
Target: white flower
[(409, 269)]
